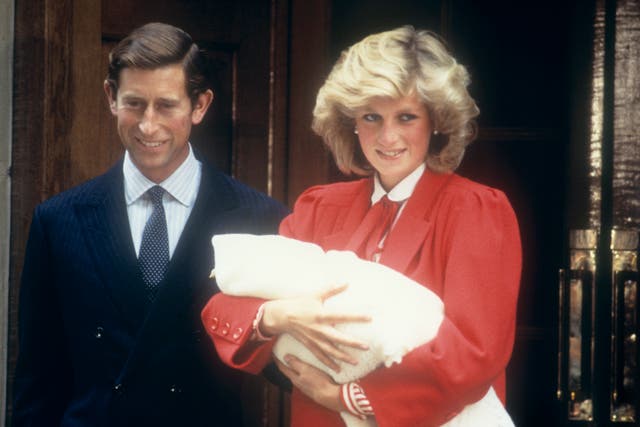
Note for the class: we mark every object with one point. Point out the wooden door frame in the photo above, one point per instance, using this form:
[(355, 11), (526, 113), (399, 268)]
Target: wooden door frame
[(308, 162), (49, 125), (6, 113)]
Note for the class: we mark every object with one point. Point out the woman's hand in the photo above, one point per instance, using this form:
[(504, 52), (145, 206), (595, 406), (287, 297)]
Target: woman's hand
[(307, 320), (312, 382)]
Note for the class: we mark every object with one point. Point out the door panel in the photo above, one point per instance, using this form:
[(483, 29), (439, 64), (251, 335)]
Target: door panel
[(519, 56), (604, 191), (236, 38), (65, 134), (234, 134)]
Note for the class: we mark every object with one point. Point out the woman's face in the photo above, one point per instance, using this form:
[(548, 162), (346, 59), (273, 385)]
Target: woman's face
[(394, 136)]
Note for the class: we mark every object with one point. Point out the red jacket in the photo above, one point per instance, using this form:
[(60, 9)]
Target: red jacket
[(457, 237)]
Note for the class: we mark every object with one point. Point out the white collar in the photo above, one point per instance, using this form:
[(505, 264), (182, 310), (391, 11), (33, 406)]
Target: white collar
[(180, 184), (402, 191)]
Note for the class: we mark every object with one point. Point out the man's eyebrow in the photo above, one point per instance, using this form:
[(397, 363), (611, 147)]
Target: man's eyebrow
[(169, 100), (135, 97), (132, 96)]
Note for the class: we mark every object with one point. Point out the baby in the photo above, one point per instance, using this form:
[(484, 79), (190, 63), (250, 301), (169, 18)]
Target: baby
[(286, 268)]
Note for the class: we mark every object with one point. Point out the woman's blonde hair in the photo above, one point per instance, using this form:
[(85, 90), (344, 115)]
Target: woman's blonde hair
[(395, 64)]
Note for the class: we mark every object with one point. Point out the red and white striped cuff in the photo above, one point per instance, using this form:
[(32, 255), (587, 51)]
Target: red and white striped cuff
[(355, 401)]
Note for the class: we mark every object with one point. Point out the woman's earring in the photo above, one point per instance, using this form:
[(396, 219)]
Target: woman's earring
[(435, 132), (355, 130)]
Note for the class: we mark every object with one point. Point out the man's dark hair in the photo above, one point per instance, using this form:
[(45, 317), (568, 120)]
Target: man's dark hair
[(156, 45)]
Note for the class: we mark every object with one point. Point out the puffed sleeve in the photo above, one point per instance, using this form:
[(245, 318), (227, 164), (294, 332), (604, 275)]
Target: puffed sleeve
[(476, 241), (302, 224)]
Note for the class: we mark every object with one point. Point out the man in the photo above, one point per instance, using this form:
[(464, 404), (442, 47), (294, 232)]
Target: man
[(116, 270)]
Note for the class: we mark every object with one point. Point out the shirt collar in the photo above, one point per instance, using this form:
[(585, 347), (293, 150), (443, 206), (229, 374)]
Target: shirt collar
[(402, 191), (181, 184)]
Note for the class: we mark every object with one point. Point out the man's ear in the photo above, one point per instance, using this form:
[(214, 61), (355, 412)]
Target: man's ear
[(201, 106), (111, 97)]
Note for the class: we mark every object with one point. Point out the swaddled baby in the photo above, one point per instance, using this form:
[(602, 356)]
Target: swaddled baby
[(281, 267)]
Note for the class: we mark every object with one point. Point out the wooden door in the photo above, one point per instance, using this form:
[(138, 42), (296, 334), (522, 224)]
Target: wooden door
[(64, 133), (523, 58), (598, 348), (557, 85)]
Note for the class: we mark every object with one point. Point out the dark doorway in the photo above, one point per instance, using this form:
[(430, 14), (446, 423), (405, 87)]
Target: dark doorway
[(522, 62)]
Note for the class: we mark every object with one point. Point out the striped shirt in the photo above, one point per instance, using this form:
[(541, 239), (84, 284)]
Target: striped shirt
[(181, 192)]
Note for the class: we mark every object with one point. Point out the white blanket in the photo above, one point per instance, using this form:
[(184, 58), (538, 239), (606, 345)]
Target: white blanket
[(404, 313)]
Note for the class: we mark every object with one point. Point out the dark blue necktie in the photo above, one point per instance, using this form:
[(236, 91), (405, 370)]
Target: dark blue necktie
[(154, 249)]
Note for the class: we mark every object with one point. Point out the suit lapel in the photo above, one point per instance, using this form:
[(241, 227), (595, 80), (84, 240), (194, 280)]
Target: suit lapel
[(106, 230), (407, 237)]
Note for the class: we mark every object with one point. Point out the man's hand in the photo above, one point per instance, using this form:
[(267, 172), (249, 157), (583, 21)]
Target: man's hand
[(307, 320), (312, 382)]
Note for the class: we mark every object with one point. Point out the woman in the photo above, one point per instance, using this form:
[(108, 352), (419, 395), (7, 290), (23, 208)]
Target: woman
[(395, 109)]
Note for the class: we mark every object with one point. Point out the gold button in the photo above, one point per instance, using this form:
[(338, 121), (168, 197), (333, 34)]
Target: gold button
[(237, 334), (214, 324), (225, 329)]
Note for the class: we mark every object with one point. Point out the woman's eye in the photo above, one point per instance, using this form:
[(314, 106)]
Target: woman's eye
[(370, 117), (407, 117)]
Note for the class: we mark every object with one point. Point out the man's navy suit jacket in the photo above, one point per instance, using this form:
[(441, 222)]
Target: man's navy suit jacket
[(92, 351)]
